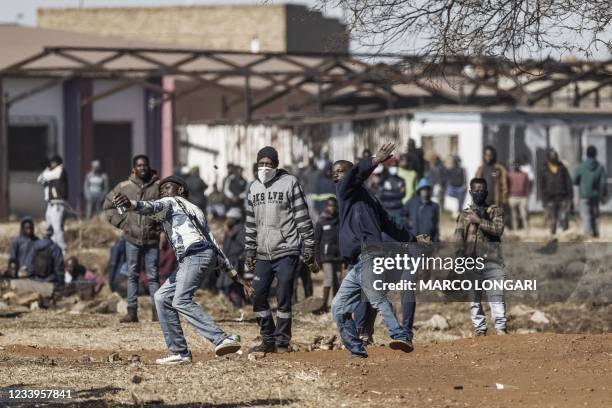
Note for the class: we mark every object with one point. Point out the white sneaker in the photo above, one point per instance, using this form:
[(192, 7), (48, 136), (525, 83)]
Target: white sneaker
[(227, 346), (173, 359)]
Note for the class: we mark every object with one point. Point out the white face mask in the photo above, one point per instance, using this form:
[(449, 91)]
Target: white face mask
[(265, 174), (393, 171)]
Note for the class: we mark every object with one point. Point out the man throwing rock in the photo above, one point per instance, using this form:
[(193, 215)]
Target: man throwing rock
[(363, 221), (196, 251)]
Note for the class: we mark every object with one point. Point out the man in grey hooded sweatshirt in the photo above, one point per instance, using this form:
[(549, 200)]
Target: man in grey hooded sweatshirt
[(277, 227)]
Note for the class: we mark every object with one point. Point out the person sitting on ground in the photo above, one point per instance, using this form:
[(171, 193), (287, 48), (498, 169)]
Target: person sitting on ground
[(46, 262), (196, 251), (21, 247), (327, 250), (422, 214), (75, 271)]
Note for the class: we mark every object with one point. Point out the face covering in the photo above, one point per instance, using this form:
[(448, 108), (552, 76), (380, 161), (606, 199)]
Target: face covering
[(393, 171), (425, 195), (265, 174), (479, 197)]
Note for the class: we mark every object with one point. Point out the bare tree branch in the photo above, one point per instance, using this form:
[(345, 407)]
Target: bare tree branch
[(515, 29)]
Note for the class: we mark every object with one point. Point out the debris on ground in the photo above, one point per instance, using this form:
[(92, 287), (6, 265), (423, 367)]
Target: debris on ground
[(113, 358), (324, 343), (438, 322), (539, 317)]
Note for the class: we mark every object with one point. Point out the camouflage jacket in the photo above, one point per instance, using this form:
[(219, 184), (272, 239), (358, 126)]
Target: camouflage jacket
[(482, 239)]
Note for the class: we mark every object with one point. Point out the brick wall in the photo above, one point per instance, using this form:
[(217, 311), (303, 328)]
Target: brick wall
[(209, 27), (279, 28)]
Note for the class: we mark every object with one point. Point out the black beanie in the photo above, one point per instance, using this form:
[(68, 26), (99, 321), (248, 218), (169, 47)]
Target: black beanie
[(176, 180), (270, 153)]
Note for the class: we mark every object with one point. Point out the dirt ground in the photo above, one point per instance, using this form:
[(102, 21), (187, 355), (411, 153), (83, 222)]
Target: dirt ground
[(564, 362)]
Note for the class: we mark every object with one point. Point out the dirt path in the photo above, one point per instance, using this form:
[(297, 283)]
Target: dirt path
[(544, 370)]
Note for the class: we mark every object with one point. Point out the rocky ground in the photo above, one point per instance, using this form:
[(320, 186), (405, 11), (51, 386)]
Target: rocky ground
[(558, 354)]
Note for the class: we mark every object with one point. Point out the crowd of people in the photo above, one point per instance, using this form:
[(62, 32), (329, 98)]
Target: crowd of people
[(283, 226)]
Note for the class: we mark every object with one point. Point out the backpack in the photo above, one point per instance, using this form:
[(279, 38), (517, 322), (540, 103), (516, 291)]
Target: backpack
[(43, 262)]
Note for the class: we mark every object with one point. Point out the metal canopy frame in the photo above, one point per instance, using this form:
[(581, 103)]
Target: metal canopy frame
[(320, 79)]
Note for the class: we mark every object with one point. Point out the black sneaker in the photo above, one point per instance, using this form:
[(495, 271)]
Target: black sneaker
[(402, 345), (263, 348)]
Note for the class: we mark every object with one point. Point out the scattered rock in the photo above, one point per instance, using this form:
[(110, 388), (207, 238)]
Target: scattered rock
[(46, 360), (45, 289), (526, 331), (112, 301), (256, 356), (9, 297), (539, 317), (122, 307), (85, 359), (438, 322), (520, 310), (136, 379), (323, 343), (113, 358), (133, 358)]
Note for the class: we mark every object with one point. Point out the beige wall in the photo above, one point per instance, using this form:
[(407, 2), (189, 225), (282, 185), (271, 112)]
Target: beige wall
[(209, 27), (279, 28)]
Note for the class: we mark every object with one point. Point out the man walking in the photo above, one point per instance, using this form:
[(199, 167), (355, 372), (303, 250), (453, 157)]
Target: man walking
[(196, 251), (519, 187), (556, 191), (277, 219), (55, 182), (496, 177), (592, 182), (141, 233), (363, 221)]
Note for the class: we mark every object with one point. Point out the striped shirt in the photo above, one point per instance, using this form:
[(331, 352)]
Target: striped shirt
[(277, 219), (181, 231)]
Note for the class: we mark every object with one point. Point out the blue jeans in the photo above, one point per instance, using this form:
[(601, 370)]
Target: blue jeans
[(176, 297), (133, 254), (365, 314), (348, 298)]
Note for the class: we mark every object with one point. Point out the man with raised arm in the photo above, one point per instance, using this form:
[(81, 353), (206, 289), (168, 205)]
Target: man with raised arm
[(363, 221), (197, 251)]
